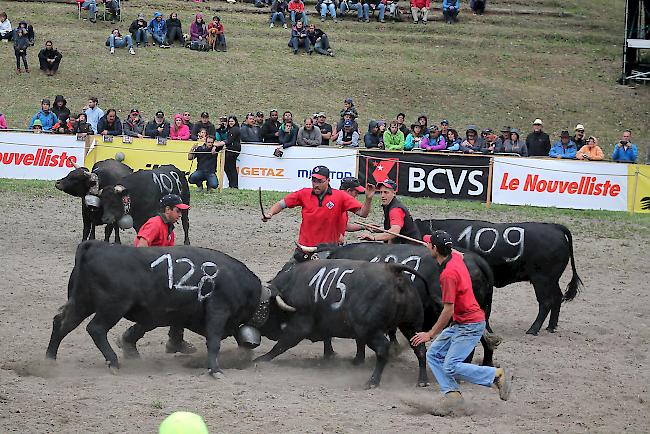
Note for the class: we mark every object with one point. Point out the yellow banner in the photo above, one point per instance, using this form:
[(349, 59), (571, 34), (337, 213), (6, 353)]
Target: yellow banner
[(639, 191)]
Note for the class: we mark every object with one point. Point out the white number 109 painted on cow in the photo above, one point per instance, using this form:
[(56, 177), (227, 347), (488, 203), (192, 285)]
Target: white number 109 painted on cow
[(322, 287), (181, 283), (467, 236)]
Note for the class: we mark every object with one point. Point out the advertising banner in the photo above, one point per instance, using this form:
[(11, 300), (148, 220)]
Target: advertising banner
[(639, 200), (38, 156), (258, 167), (560, 183), (422, 174)]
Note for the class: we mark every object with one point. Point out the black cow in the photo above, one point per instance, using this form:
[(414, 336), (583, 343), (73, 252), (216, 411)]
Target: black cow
[(419, 258), (200, 289), (319, 300), (519, 252), (81, 183), (138, 195)]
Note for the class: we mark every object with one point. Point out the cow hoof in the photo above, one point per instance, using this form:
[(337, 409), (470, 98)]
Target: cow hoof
[(113, 368), (371, 385), (129, 350), (218, 375), (357, 361)]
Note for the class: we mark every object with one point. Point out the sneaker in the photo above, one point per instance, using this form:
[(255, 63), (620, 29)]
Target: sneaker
[(382, 21), (284, 26), (295, 51), (271, 26), (18, 71), (137, 45), (367, 20), (112, 50), (132, 51), (335, 20), (504, 384), (322, 19)]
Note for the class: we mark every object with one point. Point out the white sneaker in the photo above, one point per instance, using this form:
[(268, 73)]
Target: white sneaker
[(284, 25), (132, 51), (112, 50), (271, 26)]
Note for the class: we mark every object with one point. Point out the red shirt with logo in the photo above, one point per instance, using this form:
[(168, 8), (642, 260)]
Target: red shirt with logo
[(456, 287), (157, 232), (322, 221)]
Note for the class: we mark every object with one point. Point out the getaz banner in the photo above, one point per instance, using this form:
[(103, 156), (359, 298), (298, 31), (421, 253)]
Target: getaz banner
[(421, 174)]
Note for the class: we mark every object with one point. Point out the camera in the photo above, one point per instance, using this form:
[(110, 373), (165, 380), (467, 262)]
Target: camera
[(623, 142)]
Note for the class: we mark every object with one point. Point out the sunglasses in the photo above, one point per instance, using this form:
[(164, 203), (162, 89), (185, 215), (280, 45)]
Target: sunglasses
[(186, 114)]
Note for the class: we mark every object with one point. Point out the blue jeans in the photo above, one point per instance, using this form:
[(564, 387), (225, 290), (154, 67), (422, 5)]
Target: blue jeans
[(324, 8), (91, 5), (447, 354), (141, 36), (295, 43), (201, 175), (322, 45), (125, 41), (382, 10), (363, 10), (278, 16), (159, 38), (303, 17)]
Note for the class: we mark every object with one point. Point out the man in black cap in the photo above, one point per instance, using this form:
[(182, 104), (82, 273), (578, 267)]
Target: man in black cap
[(397, 218), (157, 127), (205, 124)]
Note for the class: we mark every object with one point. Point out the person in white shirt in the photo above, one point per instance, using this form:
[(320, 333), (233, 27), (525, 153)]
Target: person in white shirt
[(6, 32)]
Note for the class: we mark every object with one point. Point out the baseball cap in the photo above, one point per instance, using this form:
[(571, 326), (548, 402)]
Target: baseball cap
[(351, 182), (347, 123), (565, 133), (321, 114), (487, 131), (348, 100), (183, 422), (538, 121), (173, 200), (37, 123), (505, 129), (160, 114), (388, 183), (258, 114), (438, 238), (205, 115), (580, 127), (320, 172), (136, 111), (444, 122)]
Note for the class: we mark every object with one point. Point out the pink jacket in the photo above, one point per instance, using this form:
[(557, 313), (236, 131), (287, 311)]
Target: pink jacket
[(3, 122), (182, 134)]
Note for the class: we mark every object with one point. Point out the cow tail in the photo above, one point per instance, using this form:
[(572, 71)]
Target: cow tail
[(576, 283), (73, 282)]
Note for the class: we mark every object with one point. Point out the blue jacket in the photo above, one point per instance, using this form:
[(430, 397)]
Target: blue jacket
[(48, 120), (625, 155), (558, 150), (447, 3), (157, 27), (455, 145)]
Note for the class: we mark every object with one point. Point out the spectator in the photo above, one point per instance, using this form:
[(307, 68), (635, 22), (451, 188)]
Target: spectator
[(198, 33), (348, 137), (138, 30), (60, 110), (564, 148), (221, 132), (6, 32), (37, 128), (249, 131), (347, 116), (45, 116), (233, 148), (297, 9), (21, 44), (262, 3), (271, 128), (319, 40), (309, 134), (579, 136), (400, 124), (472, 142), (82, 126), (325, 129), (93, 112), (328, 6), (416, 140), (394, 138), (110, 124), (216, 37), (361, 6), (31, 36), (64, 126), (206, 165), (112, 9), (491, 142), (278, 11), (538, 142), (382, 129), (372, 138), (116, 40), (514, 145), (505, 135), (203, 123), (625, 151), (49, 59), (450, 10), (393, 10), (179, 130), (348, 107), (134, 125), (444, 127), (477, 6), (3, 122), (91, 6), (591, 151), (424, 123), (420, 10), (299, 38), (436, 141), (157, 127), (158, 29), (287, 134), (187, 120), (259, 122), (453, 141), (175, 30), (379, 5)]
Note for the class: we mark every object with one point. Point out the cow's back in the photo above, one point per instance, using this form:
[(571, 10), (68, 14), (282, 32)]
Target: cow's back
[(110, 172)]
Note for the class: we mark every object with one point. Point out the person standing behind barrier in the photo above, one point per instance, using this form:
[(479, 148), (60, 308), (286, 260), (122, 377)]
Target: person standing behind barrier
[(591, 151), (625, 151), (309, 134), (250, 132), (205, 123), (3, 122), (233, 148), (393, 138), (514, 145), (179, 131), (206, 165), (110, 124), (134, 125), (45, 115), (538, 142)]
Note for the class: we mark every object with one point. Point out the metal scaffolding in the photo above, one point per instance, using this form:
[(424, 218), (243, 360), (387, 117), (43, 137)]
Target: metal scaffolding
[(637, 39)]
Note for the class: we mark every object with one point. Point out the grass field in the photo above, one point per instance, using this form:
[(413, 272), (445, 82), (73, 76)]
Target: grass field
[(504, 68)]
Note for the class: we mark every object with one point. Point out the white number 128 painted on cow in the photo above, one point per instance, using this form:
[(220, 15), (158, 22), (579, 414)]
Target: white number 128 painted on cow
[(181, 283)]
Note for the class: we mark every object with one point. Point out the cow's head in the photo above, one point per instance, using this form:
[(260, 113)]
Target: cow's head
[(113, 198), (306, 253), (77, 183), (278, 313)]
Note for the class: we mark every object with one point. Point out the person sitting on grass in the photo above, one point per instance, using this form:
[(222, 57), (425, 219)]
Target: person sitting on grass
[(477, 6), (416, 140), (216, 37), (6, 32), (179, 131), (299, 38), (138, 30), (491, 143), (326, 6), (394, 138), (297, 10), (319, 41), (91, 6), (564, 148), (450, 10), (175, 30), (591, 151), (158, 29), (206, 164), (278, 11), (420, 10), (116, 40), (198, 33), (49, 59)]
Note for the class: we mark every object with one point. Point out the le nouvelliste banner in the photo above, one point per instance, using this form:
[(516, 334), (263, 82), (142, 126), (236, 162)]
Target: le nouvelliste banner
[(560, 183), (38, 156)]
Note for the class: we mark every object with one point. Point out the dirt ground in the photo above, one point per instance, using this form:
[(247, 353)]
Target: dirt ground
[(593, 375)]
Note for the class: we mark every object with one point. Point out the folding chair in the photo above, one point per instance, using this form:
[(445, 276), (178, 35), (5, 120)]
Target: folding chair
[(79, 3), (115, 10)]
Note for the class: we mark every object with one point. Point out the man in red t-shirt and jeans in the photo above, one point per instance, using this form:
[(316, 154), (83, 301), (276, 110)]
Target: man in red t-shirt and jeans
[(453, 344), (324, 209)]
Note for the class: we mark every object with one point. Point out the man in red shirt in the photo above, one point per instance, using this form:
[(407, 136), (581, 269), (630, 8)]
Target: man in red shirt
[(324, 209), (397, 218), (159, 231), (453, 344)]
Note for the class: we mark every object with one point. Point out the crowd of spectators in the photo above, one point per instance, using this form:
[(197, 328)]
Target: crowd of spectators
[(394, 134)]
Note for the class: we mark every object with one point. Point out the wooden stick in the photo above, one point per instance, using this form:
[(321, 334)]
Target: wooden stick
[(373, 227), (488, 200)]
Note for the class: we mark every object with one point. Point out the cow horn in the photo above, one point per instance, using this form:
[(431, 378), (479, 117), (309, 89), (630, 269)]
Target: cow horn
[(284, 306), (76, 166), (307, 249)]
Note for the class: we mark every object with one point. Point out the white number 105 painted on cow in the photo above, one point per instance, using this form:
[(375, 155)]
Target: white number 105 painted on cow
[(322, 287), (181, 283)]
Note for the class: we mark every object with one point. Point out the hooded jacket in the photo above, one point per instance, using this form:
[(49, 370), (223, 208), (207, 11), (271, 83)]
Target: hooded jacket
[(173, 23), (183, 132), (198, 29), (287, 139), (151, 129), (133, 129), (137, 25), (21, 42), (156, 27), (371, 140), (3, 122), (62, 113), (394, 142)]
